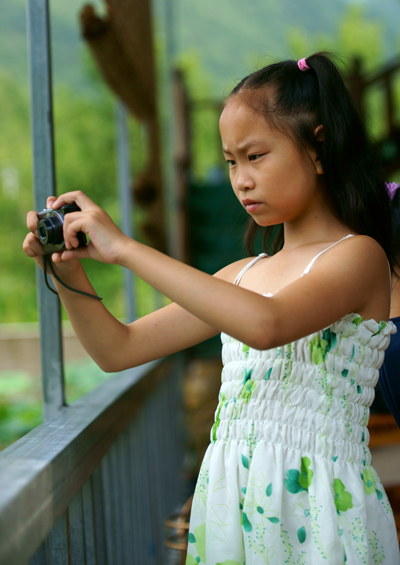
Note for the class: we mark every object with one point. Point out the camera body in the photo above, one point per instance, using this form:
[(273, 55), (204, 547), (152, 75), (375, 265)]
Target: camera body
[(50, 228)]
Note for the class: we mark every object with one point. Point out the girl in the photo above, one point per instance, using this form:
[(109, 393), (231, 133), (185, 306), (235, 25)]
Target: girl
[(288, 476)]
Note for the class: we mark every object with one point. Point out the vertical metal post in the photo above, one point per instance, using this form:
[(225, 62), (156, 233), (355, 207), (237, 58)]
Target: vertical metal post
[(101, 533), (44, 185), (126, 201), (59, 541), (88, 524), (41, 557), (77, 531)]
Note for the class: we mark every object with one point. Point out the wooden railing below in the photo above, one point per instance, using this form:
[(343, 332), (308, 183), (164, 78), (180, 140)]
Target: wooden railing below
[(94, 484)]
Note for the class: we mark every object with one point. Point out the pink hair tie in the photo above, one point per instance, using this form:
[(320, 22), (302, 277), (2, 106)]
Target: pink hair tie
[(391, 189), (303, 65)]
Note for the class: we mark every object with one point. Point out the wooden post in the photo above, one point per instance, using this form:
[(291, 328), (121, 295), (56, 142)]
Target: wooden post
[(389, 104)]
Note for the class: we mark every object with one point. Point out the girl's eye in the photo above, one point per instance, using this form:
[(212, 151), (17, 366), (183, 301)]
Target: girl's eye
[(254, 157), (230, 162)]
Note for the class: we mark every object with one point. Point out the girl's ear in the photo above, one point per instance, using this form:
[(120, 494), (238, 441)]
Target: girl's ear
[(319, 134)]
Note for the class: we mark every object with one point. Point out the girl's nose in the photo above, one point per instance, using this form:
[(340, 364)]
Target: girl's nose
[(244, 183)]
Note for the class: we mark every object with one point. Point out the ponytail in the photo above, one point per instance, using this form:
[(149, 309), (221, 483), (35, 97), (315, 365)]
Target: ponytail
[(353, 173)]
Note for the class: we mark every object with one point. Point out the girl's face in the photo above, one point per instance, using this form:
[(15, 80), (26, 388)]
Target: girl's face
[(270, 177)]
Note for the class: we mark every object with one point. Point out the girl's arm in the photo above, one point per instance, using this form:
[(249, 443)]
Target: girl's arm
[(113, 345), (353, 276)]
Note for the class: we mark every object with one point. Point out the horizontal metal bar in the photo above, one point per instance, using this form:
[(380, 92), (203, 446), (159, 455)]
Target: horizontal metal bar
[(42, 472)]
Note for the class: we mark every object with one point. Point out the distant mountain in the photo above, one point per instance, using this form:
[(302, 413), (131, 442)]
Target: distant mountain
[(228, 35)]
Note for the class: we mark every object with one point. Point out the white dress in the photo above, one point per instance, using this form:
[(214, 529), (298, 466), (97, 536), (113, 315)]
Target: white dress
[(287, 478)]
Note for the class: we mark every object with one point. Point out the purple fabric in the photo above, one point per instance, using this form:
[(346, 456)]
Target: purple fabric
[(391, 188)]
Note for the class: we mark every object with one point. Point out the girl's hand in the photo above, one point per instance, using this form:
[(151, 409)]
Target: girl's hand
[(106, 239), (32, 246)]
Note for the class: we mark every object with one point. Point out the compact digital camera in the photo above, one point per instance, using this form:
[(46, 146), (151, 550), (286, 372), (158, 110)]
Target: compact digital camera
[(50, 228)]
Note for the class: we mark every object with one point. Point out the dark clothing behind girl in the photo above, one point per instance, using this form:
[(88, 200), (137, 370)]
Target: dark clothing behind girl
[(389, 375)]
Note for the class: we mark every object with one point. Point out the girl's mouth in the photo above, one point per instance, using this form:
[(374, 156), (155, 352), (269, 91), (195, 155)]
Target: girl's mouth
[(250, 205)]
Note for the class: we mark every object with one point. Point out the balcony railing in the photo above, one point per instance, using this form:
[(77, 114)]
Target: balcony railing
[(93, 484)]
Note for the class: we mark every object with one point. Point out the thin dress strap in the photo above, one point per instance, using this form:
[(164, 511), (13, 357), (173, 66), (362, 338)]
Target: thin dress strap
[(242, 272), (311, 263)]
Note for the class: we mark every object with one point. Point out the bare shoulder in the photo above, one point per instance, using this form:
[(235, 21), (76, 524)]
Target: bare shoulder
[(362, 252), (230, 272), (358, 268)]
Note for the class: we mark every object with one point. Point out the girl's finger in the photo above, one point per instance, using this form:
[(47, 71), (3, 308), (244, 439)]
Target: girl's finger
[(31, 221), (74, 223), (79, 253), (50, 201), (77, 197), (56, 257), (32, 246)]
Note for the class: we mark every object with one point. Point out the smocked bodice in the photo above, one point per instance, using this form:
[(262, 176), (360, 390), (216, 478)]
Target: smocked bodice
[(313, 394)]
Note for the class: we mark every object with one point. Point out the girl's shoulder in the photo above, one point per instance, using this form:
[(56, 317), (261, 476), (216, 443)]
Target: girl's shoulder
[(356, 259), (361, 250), (358, 270)]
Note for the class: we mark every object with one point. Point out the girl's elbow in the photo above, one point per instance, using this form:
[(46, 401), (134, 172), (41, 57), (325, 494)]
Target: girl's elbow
[(110, 369), (118, 365), (110, 365), (106, 366), (262, 343), (264, 337)]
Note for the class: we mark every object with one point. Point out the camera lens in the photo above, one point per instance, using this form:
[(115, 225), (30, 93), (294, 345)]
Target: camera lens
[(50, 230)]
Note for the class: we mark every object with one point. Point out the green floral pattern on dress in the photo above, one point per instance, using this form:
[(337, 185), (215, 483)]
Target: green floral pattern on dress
[(297, 481), (343, 499), (321, 346)]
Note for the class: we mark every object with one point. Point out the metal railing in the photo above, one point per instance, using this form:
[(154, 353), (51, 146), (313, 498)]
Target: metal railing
[(93, 484)]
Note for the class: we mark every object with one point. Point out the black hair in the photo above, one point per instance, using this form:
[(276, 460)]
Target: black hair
[(297, 102)]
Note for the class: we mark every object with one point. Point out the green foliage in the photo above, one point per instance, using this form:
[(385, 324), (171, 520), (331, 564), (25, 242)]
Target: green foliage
[(230, 36), (20, 397), (356, 32), (17, 300), (356, 36), (20, 406)]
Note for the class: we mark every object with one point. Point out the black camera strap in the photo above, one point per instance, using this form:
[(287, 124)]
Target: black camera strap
[(48, 262)]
